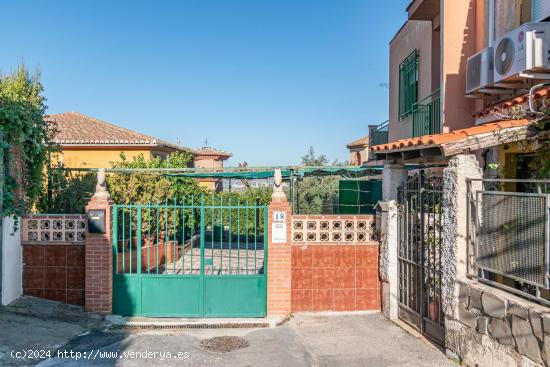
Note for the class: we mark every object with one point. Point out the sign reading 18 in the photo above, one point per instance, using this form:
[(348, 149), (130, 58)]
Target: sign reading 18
[(279, 216)]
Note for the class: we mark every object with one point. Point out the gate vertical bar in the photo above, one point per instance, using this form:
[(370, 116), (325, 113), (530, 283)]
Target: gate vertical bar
[(115, 239), (166, 235), (265, 239), (212, 235), (138, 255), (175, 241), (422, 250), (138, 245), (183, 236), (149, 239), (220, 271), (202, 238), (123, 240), (130, 238), (246, 234), (239, 236), (230, 224), (256, 235), (157, 228), (265, 256), (192, 229)]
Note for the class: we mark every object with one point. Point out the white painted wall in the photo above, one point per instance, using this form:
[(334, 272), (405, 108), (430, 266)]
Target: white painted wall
[(12, 262)]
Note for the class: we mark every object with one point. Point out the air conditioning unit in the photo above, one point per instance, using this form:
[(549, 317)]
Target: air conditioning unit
[(523, 53), (480, 72)]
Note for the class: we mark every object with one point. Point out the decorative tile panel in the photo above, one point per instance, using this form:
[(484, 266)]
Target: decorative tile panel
[(319, 229), (54, 228)]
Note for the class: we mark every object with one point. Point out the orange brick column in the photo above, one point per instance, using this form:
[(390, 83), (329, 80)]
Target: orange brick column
[(99, 260), (278, 263)]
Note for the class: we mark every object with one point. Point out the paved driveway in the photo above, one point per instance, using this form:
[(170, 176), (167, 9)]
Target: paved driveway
[(306, 340)]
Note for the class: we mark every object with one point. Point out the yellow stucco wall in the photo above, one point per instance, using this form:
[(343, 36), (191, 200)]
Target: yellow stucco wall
[(102, 158), (82, 158)]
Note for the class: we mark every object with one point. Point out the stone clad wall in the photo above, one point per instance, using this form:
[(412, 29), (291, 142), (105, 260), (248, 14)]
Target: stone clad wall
[(496, 328)]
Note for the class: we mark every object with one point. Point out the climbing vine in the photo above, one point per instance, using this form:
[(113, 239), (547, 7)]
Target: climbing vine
[(540, 120), (25, 140)]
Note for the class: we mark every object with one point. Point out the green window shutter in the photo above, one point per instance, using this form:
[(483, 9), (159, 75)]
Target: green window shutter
[(408, 84)]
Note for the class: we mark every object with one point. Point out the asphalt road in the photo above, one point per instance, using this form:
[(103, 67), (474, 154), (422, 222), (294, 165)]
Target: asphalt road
[(306, 340)]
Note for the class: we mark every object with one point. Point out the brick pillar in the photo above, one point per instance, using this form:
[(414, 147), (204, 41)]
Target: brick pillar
[(278, 257), (99, 256)]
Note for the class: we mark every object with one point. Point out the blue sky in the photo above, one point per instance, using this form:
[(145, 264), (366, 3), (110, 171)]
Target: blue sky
[(264, 79)]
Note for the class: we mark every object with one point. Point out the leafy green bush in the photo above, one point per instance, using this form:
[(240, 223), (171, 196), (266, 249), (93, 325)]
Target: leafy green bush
[(67, 191), (25, 140), (142, 187)]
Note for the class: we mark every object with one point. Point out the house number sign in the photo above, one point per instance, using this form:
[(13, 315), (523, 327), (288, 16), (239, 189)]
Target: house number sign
[(278, 227)]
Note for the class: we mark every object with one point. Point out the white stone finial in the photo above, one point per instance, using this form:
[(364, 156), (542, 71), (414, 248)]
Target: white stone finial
[(278, 193), (101, 186)]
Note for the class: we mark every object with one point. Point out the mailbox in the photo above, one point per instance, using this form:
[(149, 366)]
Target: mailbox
[(96, 221)]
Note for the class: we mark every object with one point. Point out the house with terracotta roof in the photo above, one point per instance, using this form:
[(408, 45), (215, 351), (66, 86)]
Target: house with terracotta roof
[(358, 151), (87, 142)]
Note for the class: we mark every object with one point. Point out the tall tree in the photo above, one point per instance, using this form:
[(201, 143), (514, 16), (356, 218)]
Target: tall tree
[(316, 195), (312, 160)]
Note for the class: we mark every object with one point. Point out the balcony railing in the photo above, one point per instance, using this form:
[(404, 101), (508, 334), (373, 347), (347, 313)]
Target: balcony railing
[(378, 134), (427, 115)]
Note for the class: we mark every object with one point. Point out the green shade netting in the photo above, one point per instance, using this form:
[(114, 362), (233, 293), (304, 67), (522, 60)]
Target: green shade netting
[(348, 172)]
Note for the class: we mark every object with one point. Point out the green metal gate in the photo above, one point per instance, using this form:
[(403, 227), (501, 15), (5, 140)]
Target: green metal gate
[(193, 258)]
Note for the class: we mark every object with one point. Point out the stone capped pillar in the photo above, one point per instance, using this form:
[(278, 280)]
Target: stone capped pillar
[(388, 261), (279, 252), (393, 176), (99, 254), (454, 248)]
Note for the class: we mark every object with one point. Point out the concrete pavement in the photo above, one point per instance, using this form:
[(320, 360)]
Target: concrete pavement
[(306, 340), (72, 337)]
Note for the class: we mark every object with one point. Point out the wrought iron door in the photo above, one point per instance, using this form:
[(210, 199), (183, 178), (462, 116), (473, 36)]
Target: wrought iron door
[(420, 201)]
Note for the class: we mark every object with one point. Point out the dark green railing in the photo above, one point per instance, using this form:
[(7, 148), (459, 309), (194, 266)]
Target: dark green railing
[(379, 134), (427, 116)]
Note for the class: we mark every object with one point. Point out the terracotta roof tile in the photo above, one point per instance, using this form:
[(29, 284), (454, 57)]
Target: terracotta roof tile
[(74, 128), (514, 101), (204, 151), (364, 141), (438, 139)]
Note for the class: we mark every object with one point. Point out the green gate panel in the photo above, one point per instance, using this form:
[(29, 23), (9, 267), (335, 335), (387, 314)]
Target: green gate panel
[(235, 296), (173, 295), (178, 284), (126, 294)]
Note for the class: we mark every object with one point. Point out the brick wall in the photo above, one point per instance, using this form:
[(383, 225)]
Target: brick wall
[(99, 261), (278, 265), (53, 257), (330, 275)]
